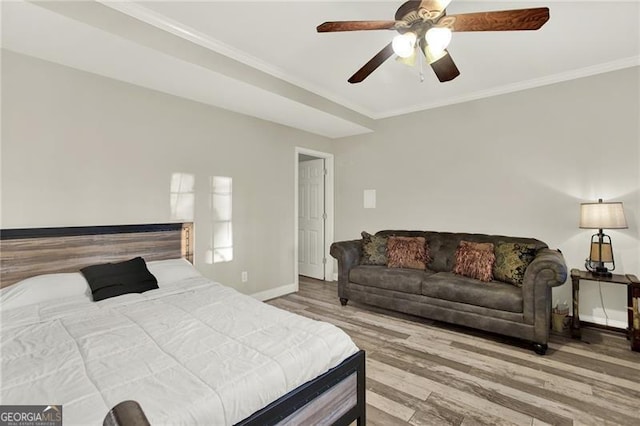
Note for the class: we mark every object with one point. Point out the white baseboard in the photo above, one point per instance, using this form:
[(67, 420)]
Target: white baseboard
[(272, 293), (603, 321)]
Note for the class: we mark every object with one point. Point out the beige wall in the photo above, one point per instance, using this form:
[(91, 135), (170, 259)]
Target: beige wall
[(79, 149), (517, 164)]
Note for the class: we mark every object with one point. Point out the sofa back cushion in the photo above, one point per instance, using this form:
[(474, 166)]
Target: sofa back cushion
[(443, 245)]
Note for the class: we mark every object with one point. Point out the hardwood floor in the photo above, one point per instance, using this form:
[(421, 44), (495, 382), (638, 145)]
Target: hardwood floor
[(421, 372)]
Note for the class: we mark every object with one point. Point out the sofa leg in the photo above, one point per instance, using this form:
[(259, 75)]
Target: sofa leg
[(343, 301), (540, 348)]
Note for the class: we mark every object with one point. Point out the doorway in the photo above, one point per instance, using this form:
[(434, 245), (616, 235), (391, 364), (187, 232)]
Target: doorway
[(313, 214)]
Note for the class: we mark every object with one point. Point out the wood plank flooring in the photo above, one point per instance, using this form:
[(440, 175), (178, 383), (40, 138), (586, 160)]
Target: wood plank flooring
[(422, 372)]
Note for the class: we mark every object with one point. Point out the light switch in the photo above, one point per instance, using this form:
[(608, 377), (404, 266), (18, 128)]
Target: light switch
[(369, 198)]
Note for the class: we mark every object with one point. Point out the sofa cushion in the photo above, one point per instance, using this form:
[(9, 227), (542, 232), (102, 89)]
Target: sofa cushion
[(457, 288), (396, 279), (374, 249), (512, 260), (407, 252), (475, 260)]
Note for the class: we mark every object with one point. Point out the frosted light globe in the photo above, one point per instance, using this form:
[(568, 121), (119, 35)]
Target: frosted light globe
[(403, 44)]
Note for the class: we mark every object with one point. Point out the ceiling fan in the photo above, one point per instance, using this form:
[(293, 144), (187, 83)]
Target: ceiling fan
[(424, 26)]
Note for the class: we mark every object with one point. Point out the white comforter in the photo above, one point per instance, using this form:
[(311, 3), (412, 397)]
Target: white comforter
[(193, 353)]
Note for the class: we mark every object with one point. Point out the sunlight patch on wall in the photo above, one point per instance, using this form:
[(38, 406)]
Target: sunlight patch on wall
[(182, 196), (221, 249)]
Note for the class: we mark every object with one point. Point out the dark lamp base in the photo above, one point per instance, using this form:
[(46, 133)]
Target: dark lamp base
[(601, 272)]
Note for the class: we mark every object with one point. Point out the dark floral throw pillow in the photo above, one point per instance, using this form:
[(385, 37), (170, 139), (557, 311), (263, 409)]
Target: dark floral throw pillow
[(512, 260), (374, 249)]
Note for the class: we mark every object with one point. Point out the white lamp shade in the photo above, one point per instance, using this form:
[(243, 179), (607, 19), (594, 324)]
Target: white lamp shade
[(409, 61), (438, 38), (404, 44), (433, 57), (602, 216)]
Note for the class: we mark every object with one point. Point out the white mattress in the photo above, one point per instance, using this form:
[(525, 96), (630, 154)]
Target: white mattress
[(192, 353)]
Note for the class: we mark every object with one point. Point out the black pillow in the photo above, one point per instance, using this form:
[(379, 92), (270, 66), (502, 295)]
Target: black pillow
[(113, 279)]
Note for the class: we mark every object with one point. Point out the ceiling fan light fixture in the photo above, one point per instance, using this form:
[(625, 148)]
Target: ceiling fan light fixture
[(433, 56), (409, 61), (404, 44), (438, 38), (429, 20)]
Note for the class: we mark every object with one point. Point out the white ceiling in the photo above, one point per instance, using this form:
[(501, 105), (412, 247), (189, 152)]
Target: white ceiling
[(265, 59)]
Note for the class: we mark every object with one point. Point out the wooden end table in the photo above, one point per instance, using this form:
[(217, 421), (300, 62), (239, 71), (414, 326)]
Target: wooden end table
[(633, 302)]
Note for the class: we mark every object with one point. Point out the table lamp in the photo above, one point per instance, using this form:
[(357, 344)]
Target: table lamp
[(600, 216)]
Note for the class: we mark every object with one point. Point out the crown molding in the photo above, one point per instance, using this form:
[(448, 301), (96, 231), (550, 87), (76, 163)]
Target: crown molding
[(629, 62), (158, 20)]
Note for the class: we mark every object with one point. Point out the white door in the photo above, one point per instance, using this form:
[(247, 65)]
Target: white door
[(311, 218)]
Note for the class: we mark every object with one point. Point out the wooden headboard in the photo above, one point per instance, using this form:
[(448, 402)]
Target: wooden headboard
[(34, 251)]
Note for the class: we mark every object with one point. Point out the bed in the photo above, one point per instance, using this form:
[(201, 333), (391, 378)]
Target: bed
[(190, 352)]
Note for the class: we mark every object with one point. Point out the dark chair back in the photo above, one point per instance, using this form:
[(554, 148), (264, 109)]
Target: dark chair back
[(126, 413)]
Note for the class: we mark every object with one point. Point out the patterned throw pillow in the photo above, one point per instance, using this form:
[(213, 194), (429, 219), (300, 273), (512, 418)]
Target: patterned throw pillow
[(374, 249), (408, 252), (512, 260), (475, 260)]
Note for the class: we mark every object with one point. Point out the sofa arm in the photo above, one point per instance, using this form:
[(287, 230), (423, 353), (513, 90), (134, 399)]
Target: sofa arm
[(347, 253), (547, 270)]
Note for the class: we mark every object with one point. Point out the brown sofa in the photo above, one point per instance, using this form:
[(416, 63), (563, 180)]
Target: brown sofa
[(437, 293)]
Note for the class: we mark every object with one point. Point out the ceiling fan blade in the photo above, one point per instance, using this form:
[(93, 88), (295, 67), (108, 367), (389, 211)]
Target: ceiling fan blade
[(445, 68), (503, 20), (371, 66), (333, 26)]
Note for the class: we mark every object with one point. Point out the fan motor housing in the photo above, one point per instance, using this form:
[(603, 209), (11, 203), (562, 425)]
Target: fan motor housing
[(406, 9), (418, 20)]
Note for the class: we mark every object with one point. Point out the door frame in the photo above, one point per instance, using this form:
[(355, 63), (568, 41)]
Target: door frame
[(328, 207)]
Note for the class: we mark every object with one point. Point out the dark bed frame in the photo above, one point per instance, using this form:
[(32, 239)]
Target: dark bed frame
[(335, 397)]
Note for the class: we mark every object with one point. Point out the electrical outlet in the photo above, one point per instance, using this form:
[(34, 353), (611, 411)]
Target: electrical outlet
[(245, 276)]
